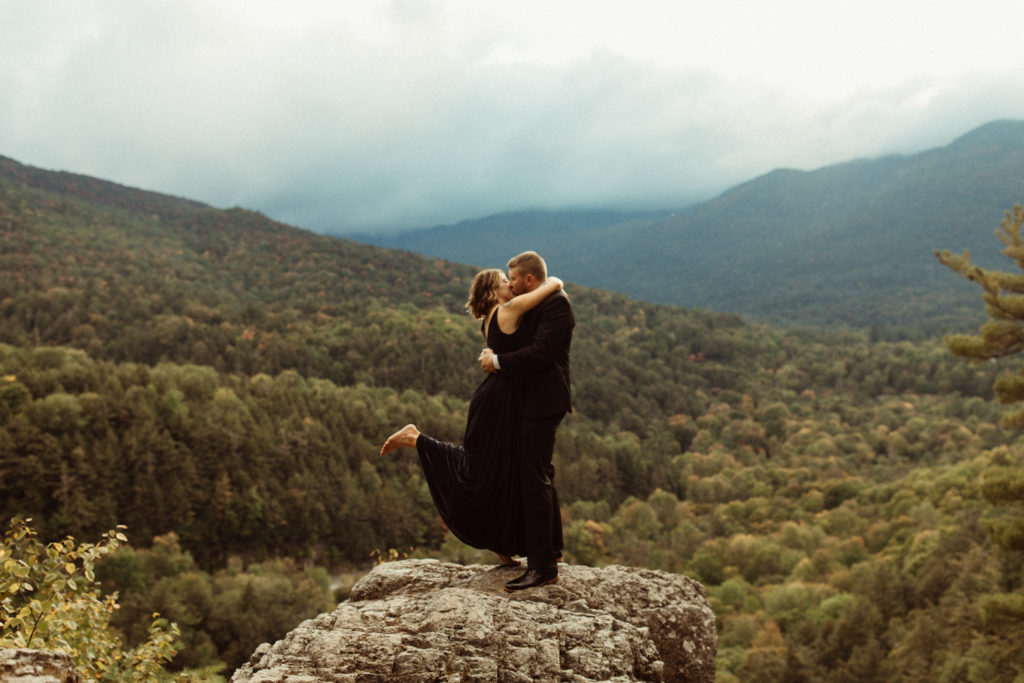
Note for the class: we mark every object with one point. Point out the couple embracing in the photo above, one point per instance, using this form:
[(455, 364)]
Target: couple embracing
[(496, 491)]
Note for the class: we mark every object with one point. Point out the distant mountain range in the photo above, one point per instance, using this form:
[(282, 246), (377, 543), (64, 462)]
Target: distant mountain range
[(846, 245)]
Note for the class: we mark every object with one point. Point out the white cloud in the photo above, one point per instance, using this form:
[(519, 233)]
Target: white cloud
[(348, 115)]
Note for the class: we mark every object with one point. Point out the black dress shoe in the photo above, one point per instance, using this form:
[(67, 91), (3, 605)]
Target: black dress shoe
[(533, 578)]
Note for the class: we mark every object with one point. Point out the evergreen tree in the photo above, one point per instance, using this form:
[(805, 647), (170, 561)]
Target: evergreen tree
[(1003, 334)]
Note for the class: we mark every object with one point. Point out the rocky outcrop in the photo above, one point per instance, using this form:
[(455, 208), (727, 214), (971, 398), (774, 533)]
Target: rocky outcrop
[(424, 620), (36, 666)]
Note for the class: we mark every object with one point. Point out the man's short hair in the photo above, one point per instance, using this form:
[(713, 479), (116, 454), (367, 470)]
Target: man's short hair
[(530, 263)]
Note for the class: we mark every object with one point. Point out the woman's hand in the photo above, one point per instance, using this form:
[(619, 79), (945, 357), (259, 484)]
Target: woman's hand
[(486, 359)]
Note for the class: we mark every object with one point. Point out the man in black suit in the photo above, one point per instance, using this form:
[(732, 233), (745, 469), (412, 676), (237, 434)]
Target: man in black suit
[(543, 365)]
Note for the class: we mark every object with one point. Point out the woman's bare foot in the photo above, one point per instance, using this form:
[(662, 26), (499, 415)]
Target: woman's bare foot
[(406, 436), (507, 561)]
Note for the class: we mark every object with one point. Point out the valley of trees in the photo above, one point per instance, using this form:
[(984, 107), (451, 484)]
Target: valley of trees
[(220, 384)]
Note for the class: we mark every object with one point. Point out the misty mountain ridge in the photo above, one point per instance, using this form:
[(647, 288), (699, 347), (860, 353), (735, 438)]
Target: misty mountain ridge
[(848, 245), (851, 244)]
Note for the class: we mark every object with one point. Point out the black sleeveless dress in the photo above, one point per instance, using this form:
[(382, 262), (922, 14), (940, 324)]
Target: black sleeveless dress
[(476, 486)]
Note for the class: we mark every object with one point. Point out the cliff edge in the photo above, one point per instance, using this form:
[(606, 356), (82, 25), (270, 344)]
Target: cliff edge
[(425, 620)]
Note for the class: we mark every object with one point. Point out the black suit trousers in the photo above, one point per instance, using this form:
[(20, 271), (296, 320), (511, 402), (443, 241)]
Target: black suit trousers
[(542, 516)]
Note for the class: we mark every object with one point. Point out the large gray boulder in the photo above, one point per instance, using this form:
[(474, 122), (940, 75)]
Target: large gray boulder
[(424, 620), (37, 666)]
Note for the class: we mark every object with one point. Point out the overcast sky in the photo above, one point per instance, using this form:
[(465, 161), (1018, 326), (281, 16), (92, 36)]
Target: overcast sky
[(348, 115)]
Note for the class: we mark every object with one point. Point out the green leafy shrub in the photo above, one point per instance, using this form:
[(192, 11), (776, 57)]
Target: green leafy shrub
[(51, 601)]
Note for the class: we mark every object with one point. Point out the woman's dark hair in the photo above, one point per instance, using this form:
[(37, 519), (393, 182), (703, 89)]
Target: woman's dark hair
[(483, 293)]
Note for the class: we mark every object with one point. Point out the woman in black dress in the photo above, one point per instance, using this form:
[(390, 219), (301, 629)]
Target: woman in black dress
[(475, 486)]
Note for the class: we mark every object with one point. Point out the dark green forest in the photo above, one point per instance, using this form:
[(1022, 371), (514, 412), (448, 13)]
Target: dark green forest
[(221, 383)]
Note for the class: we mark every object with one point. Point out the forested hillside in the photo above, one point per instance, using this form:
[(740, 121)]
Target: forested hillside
[(848, 245), (223, 382)]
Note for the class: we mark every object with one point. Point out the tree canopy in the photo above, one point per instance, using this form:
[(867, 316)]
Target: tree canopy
[(220, 384)]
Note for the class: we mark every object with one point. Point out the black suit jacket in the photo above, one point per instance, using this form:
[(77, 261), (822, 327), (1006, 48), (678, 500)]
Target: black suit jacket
[(543, 363)]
